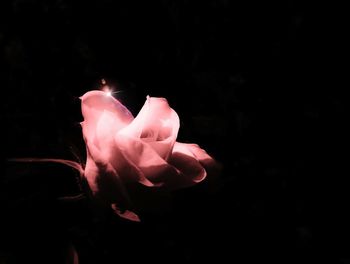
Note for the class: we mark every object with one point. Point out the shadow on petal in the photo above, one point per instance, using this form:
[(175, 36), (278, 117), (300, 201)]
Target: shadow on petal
[(191, 169)]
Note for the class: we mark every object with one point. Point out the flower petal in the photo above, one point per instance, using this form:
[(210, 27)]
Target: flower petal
[(126, 168), (204, 158), (106, 129), (129, 215), (154, 168), (157, 124), (103, 180), (72, 255), (184, 160), (94, 104)]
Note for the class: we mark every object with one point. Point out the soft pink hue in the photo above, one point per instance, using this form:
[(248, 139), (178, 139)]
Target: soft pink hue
[(123, 150)]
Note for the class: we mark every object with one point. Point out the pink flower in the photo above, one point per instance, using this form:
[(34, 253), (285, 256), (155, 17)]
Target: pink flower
[(123, 150)]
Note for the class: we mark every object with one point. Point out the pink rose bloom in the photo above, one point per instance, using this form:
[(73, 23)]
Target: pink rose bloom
[(123, 150)]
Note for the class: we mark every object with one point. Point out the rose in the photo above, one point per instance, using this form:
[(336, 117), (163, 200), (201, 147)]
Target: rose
[(123, 150)]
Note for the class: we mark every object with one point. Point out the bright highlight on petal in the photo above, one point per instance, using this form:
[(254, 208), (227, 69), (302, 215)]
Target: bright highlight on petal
[(108, 91)]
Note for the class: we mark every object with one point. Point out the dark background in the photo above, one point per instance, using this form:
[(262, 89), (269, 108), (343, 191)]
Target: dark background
[(260, 86)]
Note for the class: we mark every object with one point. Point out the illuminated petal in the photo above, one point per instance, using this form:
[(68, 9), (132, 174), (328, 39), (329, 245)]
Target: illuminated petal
[(156, 124), (184, 160), (211, 166), (106, 129), (204, 158), (129, 172), (153, 167), (94, 104)]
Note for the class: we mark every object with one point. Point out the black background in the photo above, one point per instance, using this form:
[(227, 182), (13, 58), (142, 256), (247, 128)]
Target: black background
[(260, 86)]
